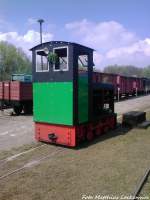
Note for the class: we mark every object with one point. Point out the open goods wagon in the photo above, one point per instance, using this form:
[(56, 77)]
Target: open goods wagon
[(123, 85), (119, 82), (17, 95)]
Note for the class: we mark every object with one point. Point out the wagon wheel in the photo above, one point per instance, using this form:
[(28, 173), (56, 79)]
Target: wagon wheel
[(27, 109), (17, 109)]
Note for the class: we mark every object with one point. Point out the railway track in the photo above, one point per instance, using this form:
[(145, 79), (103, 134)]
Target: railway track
[(28, 164), (11, 158), (141, 185)]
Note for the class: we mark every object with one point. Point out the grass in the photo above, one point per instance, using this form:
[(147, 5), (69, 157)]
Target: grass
[(111, 165)]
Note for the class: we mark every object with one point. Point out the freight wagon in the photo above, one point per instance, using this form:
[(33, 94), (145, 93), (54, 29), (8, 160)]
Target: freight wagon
[(146, 85), (17, 94), (119, 82), (123, 85)]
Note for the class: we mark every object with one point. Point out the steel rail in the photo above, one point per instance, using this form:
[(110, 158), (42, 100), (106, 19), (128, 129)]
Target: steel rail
[(31, 164), (140, 185)]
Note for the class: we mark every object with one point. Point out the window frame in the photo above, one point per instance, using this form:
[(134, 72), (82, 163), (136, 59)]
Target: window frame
[(47, 70), (82, 62), (67, 69)]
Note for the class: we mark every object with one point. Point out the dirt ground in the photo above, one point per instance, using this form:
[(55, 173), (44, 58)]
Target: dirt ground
[(139, 103), (15, 131)]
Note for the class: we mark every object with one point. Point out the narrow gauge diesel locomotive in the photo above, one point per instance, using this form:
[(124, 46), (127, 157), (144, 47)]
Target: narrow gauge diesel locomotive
[(68, 107)]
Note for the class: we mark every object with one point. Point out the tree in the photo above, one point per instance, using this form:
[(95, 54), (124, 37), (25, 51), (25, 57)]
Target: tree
[(128, 70), (12, 60), (146, 72)]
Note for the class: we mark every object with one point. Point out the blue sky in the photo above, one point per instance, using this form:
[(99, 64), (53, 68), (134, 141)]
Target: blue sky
[(119, 30)]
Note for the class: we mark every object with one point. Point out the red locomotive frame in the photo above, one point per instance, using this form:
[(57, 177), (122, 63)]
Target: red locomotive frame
[(73, 135)]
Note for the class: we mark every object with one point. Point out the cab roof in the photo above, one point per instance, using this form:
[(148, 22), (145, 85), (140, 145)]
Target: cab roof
[(61, 43)]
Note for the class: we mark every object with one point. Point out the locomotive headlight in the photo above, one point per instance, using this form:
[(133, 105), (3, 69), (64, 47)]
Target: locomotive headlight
[(46, 51)]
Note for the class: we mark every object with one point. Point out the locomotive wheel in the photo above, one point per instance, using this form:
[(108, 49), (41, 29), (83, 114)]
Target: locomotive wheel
[(98, 132), (112, 124), (17, 110), (105, 129), (90, 136)]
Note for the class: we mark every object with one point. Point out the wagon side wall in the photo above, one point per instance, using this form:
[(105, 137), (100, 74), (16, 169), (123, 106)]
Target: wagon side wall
[(1, 90), (21, 91), (7, 90)]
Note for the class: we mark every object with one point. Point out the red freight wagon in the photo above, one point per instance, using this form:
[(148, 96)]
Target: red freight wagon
[(134, 85), (18, 95), (115, 79), (1, 90), (123, 85), (130, 81), (120, 86), (140, 85), (20, 91), (7, 90)]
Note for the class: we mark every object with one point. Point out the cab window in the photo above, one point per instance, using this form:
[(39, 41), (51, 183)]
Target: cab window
[(42, 64), (61, 63), (82, 61)]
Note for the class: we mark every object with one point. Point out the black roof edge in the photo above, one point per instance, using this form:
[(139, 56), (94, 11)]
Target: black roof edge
[(61, 42)]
